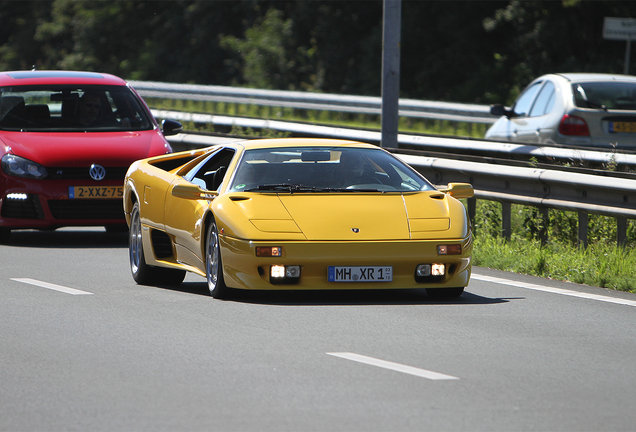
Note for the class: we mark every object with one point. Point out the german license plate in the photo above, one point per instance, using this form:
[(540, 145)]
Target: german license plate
[(360, 274), (95, 192), (617, 127)]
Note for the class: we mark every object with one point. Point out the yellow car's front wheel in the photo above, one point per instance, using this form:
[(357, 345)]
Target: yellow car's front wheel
[(213, 264)]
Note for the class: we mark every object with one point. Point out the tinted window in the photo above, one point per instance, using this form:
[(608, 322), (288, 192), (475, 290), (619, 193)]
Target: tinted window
[(69, 108), (545, 100), (524, 102)]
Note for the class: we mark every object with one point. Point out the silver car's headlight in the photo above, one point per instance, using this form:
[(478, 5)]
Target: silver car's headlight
[(20, 167)]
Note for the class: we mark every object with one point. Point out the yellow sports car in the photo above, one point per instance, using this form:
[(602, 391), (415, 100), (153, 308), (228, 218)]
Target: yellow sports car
[(298, 214)]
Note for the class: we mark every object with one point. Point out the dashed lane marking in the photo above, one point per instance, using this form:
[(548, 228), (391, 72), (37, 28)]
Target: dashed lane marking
[(423, 373), (52, 286)]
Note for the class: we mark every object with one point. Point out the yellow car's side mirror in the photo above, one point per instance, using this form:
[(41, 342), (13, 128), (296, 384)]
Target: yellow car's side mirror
[(191, 191), (459, 190)]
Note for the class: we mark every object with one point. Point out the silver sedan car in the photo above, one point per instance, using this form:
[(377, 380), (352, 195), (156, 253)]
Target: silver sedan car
[(595, 110)]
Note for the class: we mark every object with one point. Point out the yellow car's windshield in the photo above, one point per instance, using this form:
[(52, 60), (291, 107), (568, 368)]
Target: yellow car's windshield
[(325, 169)]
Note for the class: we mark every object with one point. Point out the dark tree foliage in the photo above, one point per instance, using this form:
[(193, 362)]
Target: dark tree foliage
[(459, 51)]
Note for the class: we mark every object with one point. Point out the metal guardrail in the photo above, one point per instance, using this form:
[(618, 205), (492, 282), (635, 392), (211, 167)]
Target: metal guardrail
[(420, 141), (457, 112), (543, 188)]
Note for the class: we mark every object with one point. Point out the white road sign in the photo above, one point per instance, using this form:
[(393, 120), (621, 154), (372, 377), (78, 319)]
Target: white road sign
[(619, 29)]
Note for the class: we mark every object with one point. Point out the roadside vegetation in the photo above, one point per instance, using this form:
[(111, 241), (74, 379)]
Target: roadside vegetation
[(603, 263)]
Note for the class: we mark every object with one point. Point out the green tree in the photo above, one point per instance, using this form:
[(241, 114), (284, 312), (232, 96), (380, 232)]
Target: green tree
[(553, 36), (267, 57)]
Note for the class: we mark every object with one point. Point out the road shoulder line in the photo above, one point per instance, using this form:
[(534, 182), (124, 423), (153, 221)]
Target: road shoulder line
[(561, 291)]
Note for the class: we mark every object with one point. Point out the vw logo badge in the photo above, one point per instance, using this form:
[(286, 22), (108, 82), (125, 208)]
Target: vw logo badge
[(97, 172), (355, 230)]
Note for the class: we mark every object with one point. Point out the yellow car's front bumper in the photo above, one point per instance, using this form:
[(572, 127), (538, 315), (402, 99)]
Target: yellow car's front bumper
[(244, 270)]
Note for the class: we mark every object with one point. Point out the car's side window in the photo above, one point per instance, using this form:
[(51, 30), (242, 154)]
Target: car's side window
[(524, 102), (210, 174), (545, 101)]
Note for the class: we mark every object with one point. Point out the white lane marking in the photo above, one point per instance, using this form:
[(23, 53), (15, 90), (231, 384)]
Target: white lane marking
[(393, 366), (554, 290), (51, 286)]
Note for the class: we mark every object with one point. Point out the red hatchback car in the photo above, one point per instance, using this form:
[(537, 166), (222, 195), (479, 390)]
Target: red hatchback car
[(66, 141)]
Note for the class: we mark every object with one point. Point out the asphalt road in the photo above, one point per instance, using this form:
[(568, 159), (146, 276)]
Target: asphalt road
[(83, 347)]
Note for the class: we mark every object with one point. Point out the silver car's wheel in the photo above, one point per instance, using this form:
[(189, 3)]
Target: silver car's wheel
[(213, 264)]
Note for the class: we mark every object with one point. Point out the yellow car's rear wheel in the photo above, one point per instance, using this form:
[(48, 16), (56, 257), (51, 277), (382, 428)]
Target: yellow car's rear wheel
[(213, 263), (143, 273)]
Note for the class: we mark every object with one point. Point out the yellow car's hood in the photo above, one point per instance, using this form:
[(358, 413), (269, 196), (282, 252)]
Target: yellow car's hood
[(350, 216)]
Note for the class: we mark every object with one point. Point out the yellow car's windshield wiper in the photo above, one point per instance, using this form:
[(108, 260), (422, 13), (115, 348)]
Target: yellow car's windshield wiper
[(295, 188)]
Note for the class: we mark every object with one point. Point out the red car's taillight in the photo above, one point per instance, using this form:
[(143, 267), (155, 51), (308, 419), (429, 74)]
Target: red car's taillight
[(572, 125)]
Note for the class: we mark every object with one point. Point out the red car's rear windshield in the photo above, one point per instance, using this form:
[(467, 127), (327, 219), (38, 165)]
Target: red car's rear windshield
[(72, 108)]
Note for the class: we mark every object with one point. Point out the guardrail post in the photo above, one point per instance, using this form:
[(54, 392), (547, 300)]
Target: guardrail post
[(583, 223), (545, 223), (506, 220), (621, 231)]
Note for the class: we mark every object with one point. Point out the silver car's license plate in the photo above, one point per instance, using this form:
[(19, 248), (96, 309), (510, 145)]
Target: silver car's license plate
[(360, 274)]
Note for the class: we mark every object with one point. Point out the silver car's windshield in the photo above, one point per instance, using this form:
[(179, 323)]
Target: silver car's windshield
[(71, 108), (325, 169), (606, 95)]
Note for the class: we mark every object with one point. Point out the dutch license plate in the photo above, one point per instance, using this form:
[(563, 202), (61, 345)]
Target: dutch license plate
[(617, 127), (361, 274), (95, 192)]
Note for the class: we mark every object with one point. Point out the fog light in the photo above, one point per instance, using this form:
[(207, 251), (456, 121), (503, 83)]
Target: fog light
[(17, 196), (423, 270), (269, 251), (277, 271), (292, 271), (284, 275), (430, 273), (438, 269), (454, 249)]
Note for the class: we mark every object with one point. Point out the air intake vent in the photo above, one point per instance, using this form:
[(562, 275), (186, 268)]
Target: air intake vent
[(161, 244)]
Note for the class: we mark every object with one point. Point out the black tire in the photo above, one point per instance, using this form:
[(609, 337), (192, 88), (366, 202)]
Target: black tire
[(143, 273), (5, 235), (444, 292), (213, 263)]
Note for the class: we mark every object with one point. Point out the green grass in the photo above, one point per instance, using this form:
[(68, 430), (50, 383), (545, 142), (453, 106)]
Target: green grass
[(602, 263)]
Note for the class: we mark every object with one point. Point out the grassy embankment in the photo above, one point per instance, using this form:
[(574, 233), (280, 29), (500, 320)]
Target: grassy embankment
[(602, 263)]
